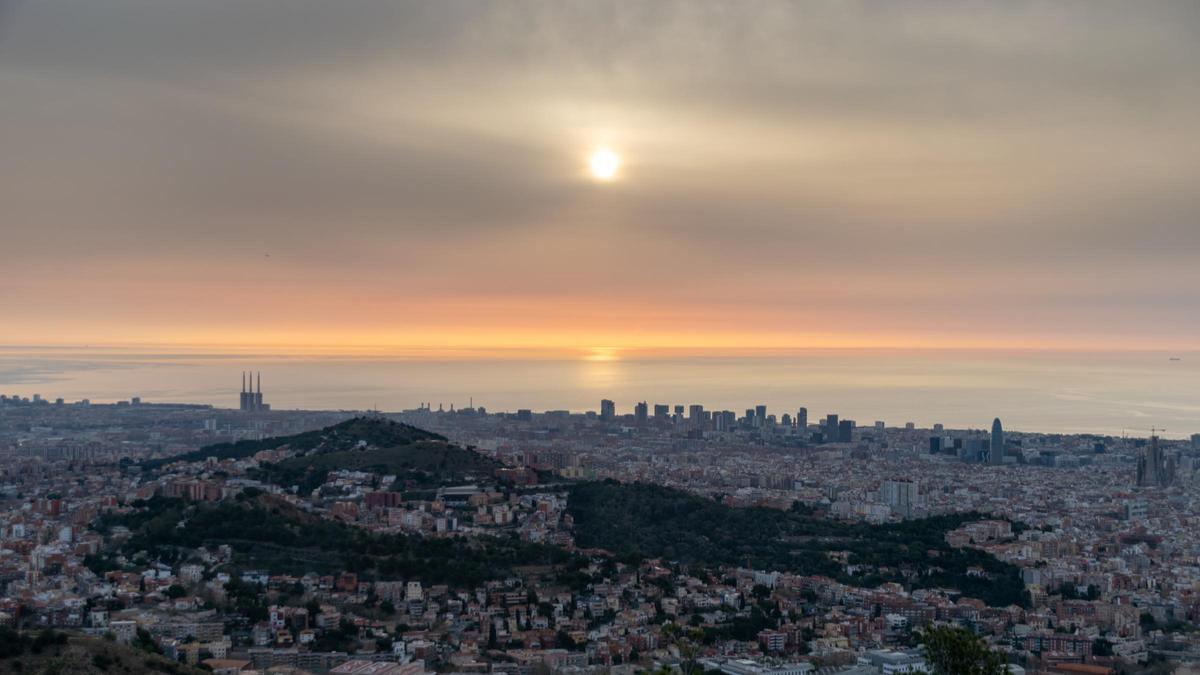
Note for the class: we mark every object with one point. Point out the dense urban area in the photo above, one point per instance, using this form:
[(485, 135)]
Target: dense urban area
[(143, 537)]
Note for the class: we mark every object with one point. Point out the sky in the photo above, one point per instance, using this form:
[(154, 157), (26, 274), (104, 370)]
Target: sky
[(360, 175)]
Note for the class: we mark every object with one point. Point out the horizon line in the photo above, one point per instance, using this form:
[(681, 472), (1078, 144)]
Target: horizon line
[(595, 352)]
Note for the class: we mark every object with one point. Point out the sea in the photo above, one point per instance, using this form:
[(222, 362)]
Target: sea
[(1110, 393)]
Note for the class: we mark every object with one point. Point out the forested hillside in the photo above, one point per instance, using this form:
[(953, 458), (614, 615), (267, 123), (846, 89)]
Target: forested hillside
[(370, 431), (657, 521)]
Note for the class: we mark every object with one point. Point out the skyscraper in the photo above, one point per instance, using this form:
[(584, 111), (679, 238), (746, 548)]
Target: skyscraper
[(802, 420), (608, 410), (845, 431), (996, 454), (831, 428), (641, 412)]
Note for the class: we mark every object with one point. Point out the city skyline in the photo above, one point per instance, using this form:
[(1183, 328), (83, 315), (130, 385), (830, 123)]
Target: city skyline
[(692, 416), (414, 175), (1049, 392)]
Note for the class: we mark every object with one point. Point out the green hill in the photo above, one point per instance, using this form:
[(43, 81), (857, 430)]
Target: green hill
[(372, 432), (419, 459), (655, 521), (267, 533), (62, 653)]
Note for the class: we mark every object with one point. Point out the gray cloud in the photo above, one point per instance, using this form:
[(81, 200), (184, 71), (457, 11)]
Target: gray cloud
[(788, 148)]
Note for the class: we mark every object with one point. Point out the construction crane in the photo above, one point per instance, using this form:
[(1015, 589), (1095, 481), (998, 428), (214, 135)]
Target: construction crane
[(1153, 430)]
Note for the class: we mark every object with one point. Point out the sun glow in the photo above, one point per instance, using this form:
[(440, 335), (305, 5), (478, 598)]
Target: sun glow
[(604, 164), (602, 354)]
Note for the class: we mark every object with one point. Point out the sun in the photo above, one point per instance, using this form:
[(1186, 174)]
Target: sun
[(604, 164)]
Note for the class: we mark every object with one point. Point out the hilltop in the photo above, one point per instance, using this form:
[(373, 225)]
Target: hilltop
[(419, 459), (353, 433)]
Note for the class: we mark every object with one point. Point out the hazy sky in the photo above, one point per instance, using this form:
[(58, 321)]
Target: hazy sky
[(794, 174)]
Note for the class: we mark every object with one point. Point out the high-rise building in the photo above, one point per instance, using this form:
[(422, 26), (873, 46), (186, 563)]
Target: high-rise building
[(760, 415), (608, 410), (996, 452), (661, 411), (1196, 441), (802, 420), (641, 412), (902, 495), (696, 416), (1187, 468), (973, 451), (831, 428), (845, 431)]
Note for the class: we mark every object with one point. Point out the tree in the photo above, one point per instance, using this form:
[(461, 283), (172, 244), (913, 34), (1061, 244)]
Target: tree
[(955, 651), (492, 642), (145, 641)]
